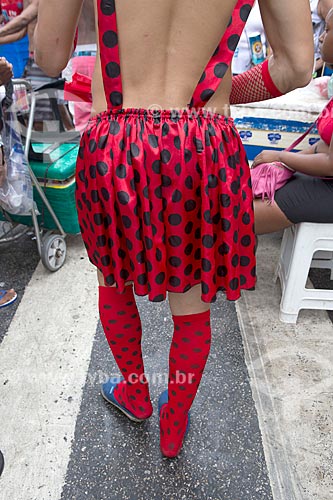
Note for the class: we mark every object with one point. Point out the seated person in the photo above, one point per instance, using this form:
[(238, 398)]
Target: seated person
[(319, 11), (305, 197)]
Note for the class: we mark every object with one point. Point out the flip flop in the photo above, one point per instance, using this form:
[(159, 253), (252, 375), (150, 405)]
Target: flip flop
[(10, 301)]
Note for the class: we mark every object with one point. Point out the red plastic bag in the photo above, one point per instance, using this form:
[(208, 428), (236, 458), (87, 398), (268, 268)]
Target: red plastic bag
[(79, 89)]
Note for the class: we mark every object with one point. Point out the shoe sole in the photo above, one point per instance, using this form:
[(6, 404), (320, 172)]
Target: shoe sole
[(122, 409), (2, 463)]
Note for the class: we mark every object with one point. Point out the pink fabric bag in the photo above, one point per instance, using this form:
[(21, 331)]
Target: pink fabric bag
[(269, 177)]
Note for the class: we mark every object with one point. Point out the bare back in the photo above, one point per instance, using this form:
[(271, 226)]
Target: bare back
[(166, 44), (164, 47)]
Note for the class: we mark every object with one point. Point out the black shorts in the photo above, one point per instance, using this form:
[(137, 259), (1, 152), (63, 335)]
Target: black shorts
[(306, 199)]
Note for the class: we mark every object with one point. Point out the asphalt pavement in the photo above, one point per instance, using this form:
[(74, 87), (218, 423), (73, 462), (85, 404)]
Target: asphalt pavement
[(261, 422)]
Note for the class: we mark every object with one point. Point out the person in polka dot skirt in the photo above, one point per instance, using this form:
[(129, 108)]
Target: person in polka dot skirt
[(163, 187)]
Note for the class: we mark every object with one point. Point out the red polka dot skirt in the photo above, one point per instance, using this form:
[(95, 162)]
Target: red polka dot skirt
[(164, 198)]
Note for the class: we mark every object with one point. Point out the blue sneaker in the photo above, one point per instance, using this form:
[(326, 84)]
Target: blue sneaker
[(107, 390)]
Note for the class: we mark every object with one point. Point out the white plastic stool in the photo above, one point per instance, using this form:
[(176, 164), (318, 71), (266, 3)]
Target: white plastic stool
[(304, 246)]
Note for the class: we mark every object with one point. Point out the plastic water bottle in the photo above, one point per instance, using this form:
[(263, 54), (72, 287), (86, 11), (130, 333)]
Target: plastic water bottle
[(15, 166), (16, 178), (257, 48)]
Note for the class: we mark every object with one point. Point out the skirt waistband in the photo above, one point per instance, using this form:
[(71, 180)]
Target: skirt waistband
[(163, 114)]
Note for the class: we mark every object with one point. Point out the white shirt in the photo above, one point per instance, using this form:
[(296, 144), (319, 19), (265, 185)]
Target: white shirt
[(242, 60), (318, 26)]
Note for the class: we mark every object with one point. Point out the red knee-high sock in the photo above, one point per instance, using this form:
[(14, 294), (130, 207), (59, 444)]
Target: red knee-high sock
[(188, 355), (122, 326)]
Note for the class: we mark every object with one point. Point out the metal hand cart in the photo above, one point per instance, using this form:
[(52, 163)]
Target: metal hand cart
[(43, 152)]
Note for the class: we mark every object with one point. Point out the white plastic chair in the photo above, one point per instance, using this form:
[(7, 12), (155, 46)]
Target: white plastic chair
[(304, 246)]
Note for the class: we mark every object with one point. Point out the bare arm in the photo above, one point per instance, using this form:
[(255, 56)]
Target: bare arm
[(324, 6), (13, 37), (317, 161), (54, 34), (288, 28), (21, 21)]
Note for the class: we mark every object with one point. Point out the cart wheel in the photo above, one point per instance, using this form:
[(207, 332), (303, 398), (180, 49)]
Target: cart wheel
[(53, 251)]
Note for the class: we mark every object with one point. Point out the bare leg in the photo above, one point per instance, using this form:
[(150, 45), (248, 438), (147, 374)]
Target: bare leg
[(269, 218), (182, 304), (100, 278)]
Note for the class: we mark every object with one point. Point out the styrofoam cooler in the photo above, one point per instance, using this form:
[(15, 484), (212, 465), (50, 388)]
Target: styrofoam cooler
[(277, 123)]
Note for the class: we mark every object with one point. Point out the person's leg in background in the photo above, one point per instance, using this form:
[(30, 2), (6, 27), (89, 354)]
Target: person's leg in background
[(188, 355), (303, 198), (122, 326), (268, 217)]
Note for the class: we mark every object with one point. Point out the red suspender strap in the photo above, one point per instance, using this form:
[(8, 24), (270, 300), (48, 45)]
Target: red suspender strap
[(300, 139), (109, 50), (221, 59)]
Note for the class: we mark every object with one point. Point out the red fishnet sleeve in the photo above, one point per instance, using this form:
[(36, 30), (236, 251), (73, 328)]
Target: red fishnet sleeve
[(254, 85)]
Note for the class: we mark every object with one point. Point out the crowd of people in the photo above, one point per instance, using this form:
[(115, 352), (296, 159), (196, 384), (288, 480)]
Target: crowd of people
[(163, 194)]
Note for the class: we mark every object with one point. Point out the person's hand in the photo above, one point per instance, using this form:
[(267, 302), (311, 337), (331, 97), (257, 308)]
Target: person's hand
[(6, 71), (266, 156)]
